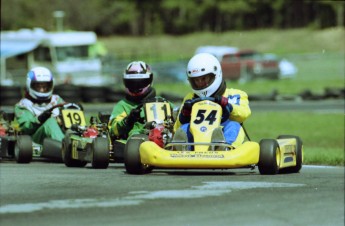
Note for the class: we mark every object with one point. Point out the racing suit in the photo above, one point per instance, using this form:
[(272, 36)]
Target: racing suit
[(231, 123), (26, 113), (117, 122)]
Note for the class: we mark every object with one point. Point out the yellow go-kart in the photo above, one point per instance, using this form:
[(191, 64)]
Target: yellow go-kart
[(209, 150)]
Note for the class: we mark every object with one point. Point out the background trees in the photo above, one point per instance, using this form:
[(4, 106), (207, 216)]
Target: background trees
[(147, 17)]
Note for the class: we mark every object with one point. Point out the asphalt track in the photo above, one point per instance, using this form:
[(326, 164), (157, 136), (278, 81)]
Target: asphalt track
[(43, 193)]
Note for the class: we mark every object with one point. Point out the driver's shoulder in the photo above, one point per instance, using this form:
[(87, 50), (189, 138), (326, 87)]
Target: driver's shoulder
[(24, 103), (232, 91), (57, 99), (189, 95)]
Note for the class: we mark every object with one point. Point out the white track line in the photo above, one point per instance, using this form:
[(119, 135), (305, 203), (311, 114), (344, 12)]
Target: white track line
[(136, 198)]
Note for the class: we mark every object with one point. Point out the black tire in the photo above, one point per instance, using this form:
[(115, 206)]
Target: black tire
[(269, 159), (93, 94), (70, 93), (132, 155), (67, 153), (52, 149), (23, 149), (100, 149), (299, 154), (114, 95)]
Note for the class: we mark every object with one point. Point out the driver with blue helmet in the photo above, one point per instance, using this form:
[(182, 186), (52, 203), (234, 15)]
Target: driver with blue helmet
[(33, 112)]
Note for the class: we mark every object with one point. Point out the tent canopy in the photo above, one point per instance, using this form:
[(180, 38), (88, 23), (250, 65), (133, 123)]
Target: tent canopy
[(10, 48)]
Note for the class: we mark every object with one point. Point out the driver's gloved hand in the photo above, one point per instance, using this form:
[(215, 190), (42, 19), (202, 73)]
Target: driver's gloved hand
[(187, 108), (186, 111), (222, 101), (44, 116), (133, 116), (226, 106)]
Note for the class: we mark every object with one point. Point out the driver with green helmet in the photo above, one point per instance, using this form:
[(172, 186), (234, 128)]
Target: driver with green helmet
[(127, 116)]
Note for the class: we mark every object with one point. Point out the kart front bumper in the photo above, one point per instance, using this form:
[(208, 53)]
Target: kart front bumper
[(245, 155)]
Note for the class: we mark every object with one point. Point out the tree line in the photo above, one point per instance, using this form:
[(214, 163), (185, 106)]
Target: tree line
[(174, 17)]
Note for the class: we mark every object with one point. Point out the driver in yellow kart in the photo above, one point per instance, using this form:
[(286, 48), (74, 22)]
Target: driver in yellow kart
[(205, 77), (33, 112)]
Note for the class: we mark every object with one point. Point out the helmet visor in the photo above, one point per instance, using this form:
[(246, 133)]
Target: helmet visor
[(42, 87), (202, 82), (136, 85)]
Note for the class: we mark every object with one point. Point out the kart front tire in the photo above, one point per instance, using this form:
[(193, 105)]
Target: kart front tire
[(67, 153), (100, 149), (132, 155), (23, 149), (299, 154), (269, 159)]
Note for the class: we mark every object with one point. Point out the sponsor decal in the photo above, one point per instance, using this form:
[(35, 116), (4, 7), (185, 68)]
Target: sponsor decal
[(74, 149), (197, 155), (203, 129), (235, 99), (136, 76), (290, 149), (288, 159), (195, 70), (207, 103)]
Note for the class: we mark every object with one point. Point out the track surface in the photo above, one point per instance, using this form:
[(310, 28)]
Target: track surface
[(43, 193)]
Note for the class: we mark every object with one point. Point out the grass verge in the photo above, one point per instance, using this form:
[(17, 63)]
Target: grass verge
[(322, 134)]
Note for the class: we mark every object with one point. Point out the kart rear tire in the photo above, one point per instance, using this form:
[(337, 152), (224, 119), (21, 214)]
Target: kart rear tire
[(299, 154), (269, 160), (23, 149), (67, 153), (69, 92), (132, 155), (100, 149)]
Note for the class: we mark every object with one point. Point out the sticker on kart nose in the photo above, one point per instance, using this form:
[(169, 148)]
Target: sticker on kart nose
[(203, 129)]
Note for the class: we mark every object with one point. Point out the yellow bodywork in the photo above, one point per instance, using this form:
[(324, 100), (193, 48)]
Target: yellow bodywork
[(246, 154), (287, 152)]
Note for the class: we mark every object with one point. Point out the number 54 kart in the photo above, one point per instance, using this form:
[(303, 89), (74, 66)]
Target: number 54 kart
[(209, 150)]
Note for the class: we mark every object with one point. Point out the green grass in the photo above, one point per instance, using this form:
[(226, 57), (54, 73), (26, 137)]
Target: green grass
[(322, 134), (318, 55)]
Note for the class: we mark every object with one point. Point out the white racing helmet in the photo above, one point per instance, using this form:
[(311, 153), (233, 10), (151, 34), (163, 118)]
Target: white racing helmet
[(137, 78), (204, 74), (40, 83)]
